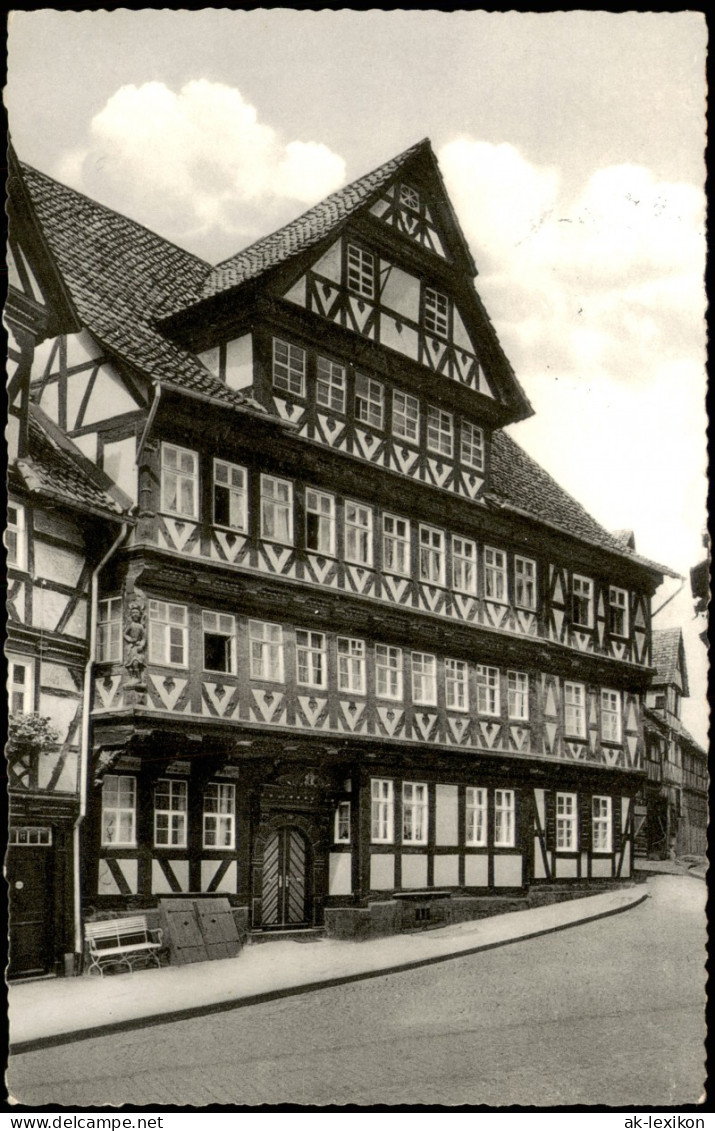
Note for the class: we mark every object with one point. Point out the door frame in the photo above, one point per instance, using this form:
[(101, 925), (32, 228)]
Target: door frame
[(48, 943), (315, 864)]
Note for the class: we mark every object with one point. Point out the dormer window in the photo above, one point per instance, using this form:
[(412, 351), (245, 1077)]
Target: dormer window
[(436, 312), (361, 271), (410, 197)]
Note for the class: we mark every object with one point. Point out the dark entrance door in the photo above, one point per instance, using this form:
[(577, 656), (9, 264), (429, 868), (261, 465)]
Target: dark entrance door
[(285, 896), (29, 877)]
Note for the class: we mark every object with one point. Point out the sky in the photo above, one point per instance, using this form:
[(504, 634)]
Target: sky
[(572, 147)]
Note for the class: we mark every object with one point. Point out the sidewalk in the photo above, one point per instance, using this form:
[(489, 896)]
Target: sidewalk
[(66, 1009), (675, 867)]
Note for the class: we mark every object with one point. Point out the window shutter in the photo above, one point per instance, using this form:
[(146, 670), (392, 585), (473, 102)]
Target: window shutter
[(584, 810), (616, 829), (550, 820)]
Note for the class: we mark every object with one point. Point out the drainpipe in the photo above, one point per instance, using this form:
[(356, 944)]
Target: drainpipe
[(84, 759)]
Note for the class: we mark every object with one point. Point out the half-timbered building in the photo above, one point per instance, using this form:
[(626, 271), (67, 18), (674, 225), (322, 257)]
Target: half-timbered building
[(359, 656)]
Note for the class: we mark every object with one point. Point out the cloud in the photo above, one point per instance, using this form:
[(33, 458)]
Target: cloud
[(197, 165)]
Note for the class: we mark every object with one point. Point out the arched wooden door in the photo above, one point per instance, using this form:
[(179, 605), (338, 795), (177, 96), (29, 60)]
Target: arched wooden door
[(285, 895)]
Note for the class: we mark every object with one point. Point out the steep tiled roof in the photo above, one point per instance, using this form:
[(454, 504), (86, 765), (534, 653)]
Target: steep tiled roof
[(667, 645)]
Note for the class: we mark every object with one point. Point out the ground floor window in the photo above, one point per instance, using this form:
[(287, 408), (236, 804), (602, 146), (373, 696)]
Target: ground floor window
[(566, 822), (382, 811), (342, 823), (170, 806), (219, 815), (601, 824), (476, 817), (504, 818), (414, 812), (119, 808)]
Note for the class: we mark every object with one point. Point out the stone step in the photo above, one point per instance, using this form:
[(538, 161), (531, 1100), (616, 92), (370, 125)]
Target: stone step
[(287, 934)]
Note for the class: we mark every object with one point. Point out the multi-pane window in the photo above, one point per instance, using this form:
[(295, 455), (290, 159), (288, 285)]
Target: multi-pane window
[(414, 812), (119, 811), (476, 817), (618, 611), (358, 533), (410, 197), (464, 565), (109, 630), (330, 385), (382, 811), (170, 806), (610, 715), (524, 582), (369, 401), (388, 671), (575, 709), (455, 685), (266, 641), (219, 635), (494, 574), (288, 367), (471, 451), (168, 629), (488, 698), (518, 693), (424, 678), (20, 686), (219, 815), (405, 416), (230, 496), (361, 271), (440, 431), (276, 509), (504, 814), (15, 538), (311, 658), (395, 545), (179, 481), (582, 601), (436, 312), (566, 822), (432, 555), (319, 521), (351, 665), (341, 834), (601, 824)]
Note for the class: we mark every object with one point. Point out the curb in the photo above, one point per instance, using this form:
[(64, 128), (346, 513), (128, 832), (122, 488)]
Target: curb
[(190, 1012)]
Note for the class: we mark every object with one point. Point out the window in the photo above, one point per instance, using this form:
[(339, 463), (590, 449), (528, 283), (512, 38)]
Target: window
[(119, 809), (504, 824), (358, 534), (476, 817), (388, 671), (455, 685), (319, 522), (219, 819), (409, 197), (464, 565), (405, 416), (15, 540), (518, 693), (219, 632), (471, 451), (310, 653), (230, 496), (170, 805), (288, 368), (330, 385), (351, 665), (610, 716), (109, 630), (524, 583), (414, 812), (167, 634), (660, 702), (179, 481), (395, 545), (566, 822), (601, 824), (436, 312), (440, 431), (582, 601), (341, 834), (20, 686), (369, 400), (488, 698), (361, 271), (424, 678), (382, 811), (575, 709), (494, 574), (432, 555), (618, 611), (276, 510), (266, 642)]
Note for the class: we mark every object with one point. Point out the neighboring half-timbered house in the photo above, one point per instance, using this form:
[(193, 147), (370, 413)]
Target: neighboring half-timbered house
[(359, 656)]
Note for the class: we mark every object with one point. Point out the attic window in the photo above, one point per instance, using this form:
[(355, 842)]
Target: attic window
[(410, 197), (436, 312), (361, 271)]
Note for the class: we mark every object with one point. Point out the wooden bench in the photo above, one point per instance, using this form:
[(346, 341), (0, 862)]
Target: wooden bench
[(121, 942)]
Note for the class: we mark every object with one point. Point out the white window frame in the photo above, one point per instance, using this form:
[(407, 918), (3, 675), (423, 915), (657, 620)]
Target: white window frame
[(581, 600), (456, 685), (415, 812), (119, 811), (331, 385), (495, 575), (618, 601), (525, 596), (396, 545), (219, 817), (464, 565), (311, 655), (342, 825), (440, 432), (223, 625), (109, 630), (518, 695), (168, 633), (266, 651), (236, 490), (288, 368), (382, 811), (176, 813), (504, 818), (476, 817), (424, 679), (611, 715), (566, 822), (16, 536), (360, 271), (471, 447), (180, 476), (351, 665), (369, 401), (24, 687), (405, 416), (432, 555), (358, 533), (436, 312), (388, 672), (601, 824), (488, 690), (575, 709), (321, 505), (276, 511)]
